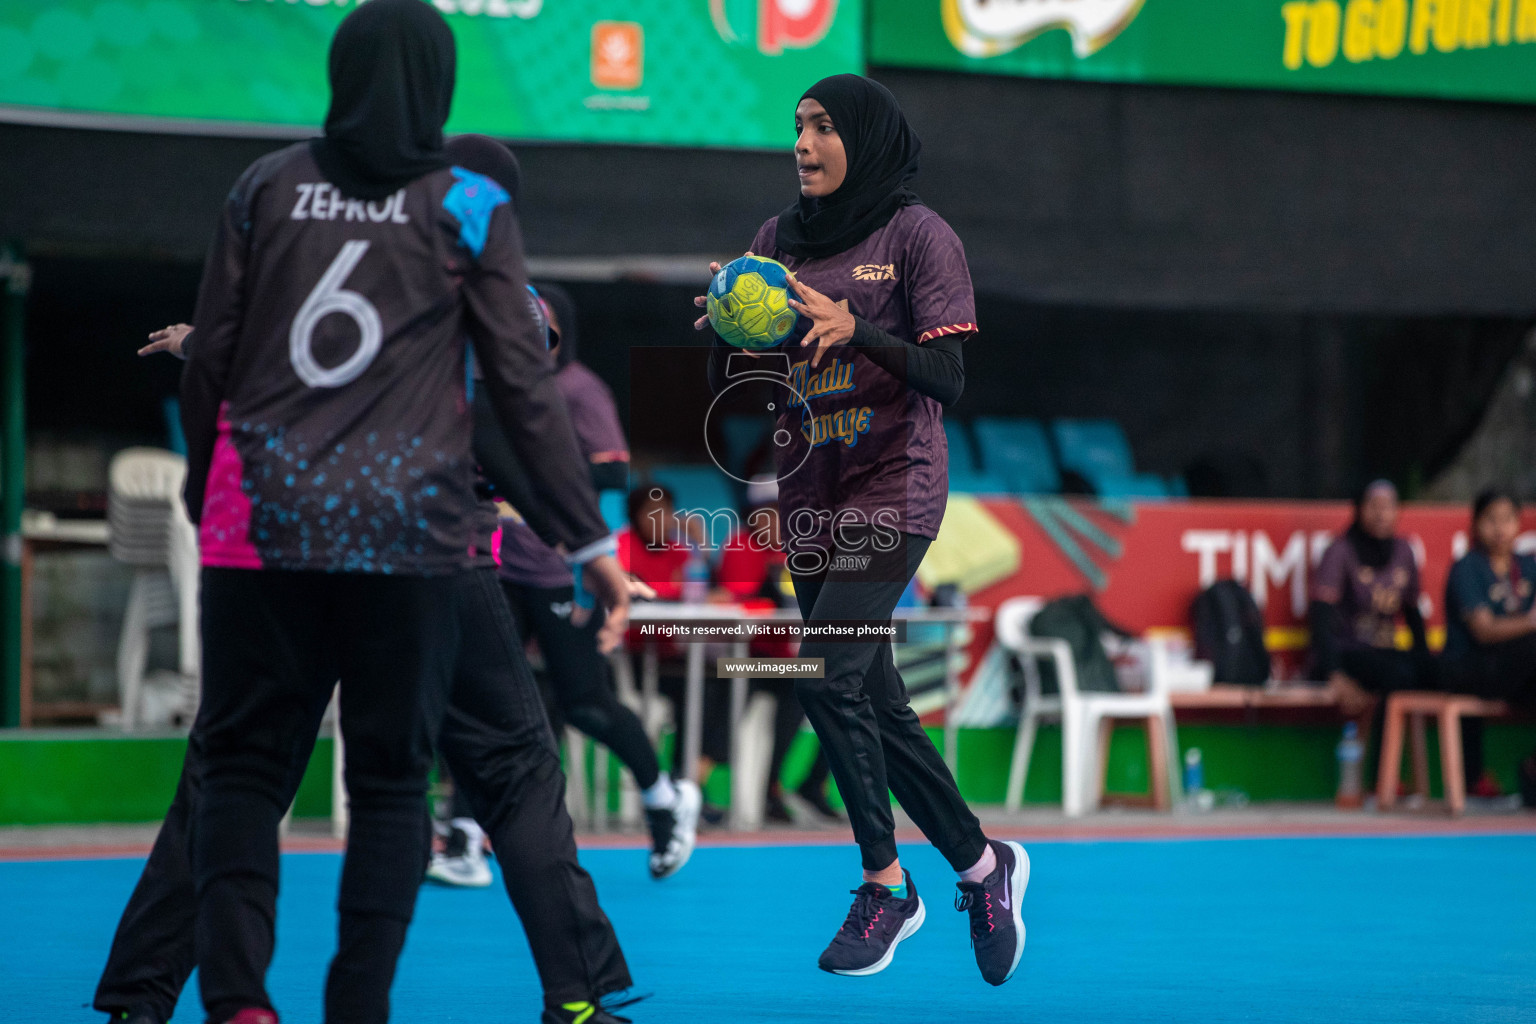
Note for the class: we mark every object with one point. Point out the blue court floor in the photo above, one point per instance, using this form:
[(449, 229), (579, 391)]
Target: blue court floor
[(1286, 930)]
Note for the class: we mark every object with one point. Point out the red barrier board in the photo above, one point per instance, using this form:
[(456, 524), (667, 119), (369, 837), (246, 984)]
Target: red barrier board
[(1145, 563)]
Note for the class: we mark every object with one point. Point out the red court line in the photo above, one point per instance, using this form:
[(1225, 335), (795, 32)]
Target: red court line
[(109, 851), (1365, 826)]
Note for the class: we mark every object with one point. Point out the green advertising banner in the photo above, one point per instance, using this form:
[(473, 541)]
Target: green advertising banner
[(685, 72), (1462, 49)]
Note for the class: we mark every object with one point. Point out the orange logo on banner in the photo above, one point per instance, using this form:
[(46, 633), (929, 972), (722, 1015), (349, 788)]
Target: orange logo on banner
[(618, 55)]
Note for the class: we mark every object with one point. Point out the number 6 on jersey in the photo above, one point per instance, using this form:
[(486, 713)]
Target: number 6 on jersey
[(330, 297)]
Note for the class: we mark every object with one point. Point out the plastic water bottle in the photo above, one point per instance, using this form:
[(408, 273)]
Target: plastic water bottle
[(1195, 794), (1194, 771), (1351, 754), (696, 576)]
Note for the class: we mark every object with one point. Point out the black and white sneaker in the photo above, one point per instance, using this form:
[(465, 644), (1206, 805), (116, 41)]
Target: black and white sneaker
[(674, 830), (997, 922), (462, 865), (876, 924)]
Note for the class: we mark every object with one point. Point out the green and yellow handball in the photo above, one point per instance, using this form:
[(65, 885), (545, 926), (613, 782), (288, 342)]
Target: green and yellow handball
[(748, 303)]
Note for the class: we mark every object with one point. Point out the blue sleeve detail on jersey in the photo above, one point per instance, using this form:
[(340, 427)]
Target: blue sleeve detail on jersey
[(472, 200)]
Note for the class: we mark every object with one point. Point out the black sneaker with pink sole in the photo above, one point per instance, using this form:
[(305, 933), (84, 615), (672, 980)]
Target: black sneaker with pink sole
[(877, 922)]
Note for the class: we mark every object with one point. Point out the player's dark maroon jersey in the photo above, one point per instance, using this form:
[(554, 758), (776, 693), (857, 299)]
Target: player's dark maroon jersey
[(324, 402)]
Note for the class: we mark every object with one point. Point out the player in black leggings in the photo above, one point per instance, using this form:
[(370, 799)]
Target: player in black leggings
[(540, 588), (498, 743), (885, 302)]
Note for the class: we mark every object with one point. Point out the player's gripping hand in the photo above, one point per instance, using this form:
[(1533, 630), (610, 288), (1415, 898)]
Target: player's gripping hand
[(831, 324), (701, 300), (170, 339)]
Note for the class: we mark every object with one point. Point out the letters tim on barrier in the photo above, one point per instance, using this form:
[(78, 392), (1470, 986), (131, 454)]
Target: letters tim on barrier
[(1462, 49), (1145, 573), (597, 70)]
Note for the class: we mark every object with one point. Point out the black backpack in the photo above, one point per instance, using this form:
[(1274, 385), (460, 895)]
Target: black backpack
[(1229, 633)]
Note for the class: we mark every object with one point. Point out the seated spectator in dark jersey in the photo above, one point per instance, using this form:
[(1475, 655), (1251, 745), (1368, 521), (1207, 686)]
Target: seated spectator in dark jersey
[(1366, 584), (1490, 620)]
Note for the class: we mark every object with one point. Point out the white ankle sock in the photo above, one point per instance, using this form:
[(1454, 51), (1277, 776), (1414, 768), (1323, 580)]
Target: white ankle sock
[(661, 795), (979, 871), (474, 835)]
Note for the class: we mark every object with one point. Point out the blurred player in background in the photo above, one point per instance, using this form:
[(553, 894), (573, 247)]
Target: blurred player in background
[(329, 469), (884, 291), (540, 588)]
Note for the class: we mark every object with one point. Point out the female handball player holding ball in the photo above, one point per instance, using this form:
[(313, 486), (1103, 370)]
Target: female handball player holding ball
[(885, 301)]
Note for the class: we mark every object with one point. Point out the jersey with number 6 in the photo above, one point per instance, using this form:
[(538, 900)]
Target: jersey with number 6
[(324, 402)]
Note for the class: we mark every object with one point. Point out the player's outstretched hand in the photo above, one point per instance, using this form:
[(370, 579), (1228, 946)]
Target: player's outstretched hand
[(610, 584), (832, 324), (170, 339), (699, 300)]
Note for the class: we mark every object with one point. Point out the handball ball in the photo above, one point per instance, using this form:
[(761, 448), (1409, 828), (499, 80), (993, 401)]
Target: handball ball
[(748, 303)]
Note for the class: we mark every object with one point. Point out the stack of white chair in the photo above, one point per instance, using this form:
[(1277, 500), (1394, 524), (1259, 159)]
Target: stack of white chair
[(1087, 717), (751, 753), (149, 530)]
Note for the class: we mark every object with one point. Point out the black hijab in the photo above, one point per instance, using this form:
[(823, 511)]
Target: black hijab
[(564, 308), (484, 155), (882, 157), (392, 71), (1372, 551)]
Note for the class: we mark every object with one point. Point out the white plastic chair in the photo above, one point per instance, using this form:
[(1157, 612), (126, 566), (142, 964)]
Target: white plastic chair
[(341, 809), (751, 758), (579, 802), (1011, 626), (149, 529), (655, 715), (184, 561), (751, 741), (1087, 717)]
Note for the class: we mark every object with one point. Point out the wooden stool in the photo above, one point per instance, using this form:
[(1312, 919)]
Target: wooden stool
[(1449, 709), (1159, 755)]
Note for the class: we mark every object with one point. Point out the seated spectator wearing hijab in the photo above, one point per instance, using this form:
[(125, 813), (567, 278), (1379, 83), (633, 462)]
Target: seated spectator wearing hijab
[(1490, 621), (753, 575), (1368, 581)]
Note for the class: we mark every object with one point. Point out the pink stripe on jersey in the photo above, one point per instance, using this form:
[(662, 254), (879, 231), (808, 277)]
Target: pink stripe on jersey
[(225, 532)]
